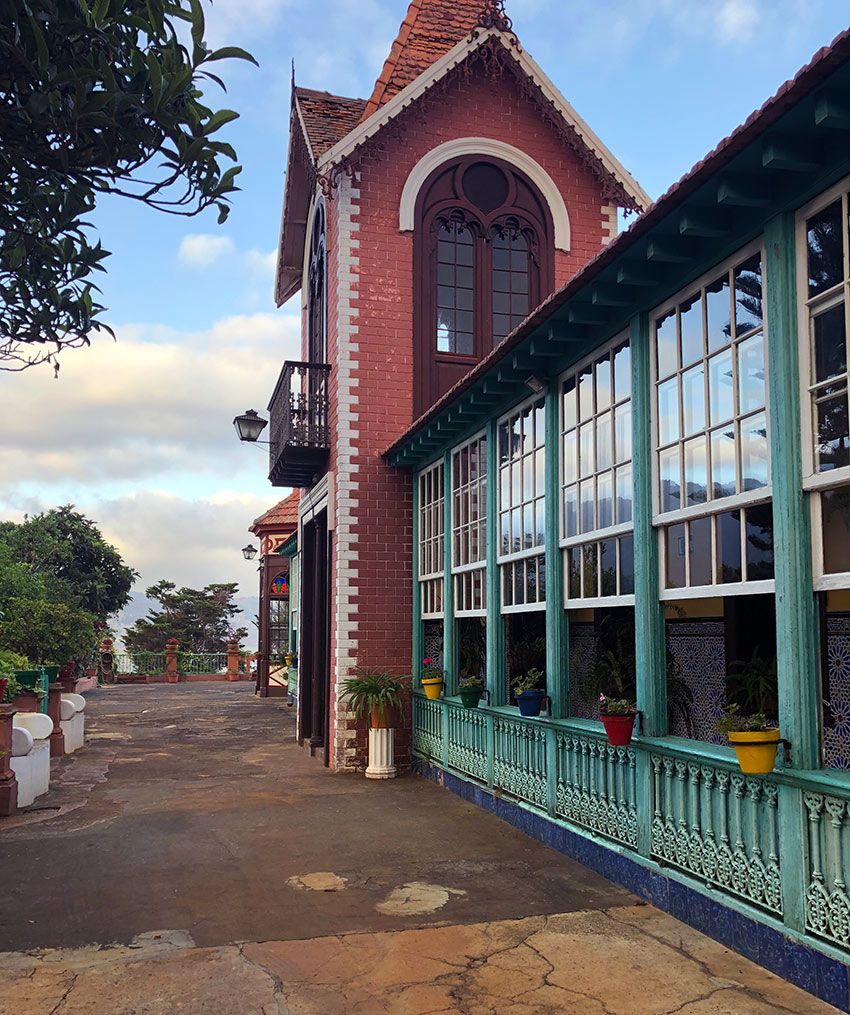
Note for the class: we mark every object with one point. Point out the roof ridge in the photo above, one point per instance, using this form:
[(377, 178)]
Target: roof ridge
[(320, 93)]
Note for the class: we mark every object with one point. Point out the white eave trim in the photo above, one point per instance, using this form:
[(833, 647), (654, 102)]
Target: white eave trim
[(382, 116)]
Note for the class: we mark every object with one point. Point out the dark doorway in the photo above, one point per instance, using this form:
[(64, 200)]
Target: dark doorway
[(315, 636)]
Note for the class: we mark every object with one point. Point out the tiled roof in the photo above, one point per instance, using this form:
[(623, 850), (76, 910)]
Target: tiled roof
[(430, 29), (327, 118), (283, 516)]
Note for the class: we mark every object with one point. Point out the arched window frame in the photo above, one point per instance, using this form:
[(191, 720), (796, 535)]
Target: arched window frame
[(317, 348), (515, 212)]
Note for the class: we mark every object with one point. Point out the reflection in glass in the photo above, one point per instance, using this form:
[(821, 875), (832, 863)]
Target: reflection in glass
[(700, 550), (570, 512), (748, 295), (675, 571), (569, 401), (608, 566), (668, 411), (591, 571), (721, 396), (693, 400), (835, 511), (605, 506), (528, 525), (603, 384), (574, 572), (696, 472), (668, 470), (505, 532), (585, 393), (830, 340), (570, 457), (729, 547), (624, 494), (623, 433), (759, 521), (603, 442), (832, 442), (723, 483), (665, 332), (719, 309), (539, 472), (825, 248), (540, 521), (585, 452), (690, 323), (627, 566), (586, 498), (622, 372), (751, 374), (754, 460)]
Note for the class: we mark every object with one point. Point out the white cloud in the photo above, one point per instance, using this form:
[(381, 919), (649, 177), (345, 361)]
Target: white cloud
[(737, 20), (260, 264), (199, 250)]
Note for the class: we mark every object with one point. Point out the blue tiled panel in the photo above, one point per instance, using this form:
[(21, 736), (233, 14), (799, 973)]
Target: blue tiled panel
[(825, 977)]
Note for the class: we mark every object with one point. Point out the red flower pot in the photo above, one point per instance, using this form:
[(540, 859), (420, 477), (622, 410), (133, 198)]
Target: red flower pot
[(619, 729)]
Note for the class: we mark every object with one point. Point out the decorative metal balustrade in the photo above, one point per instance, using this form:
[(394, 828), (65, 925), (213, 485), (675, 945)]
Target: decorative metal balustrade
[(519, 764), (827, 900), (201, 662), (596, 787), (298, 433), (719, 826), (428, 727), (141, 663), (468, 746)]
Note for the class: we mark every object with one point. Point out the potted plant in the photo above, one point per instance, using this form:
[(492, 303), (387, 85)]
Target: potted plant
[(377, 695), (470, 691), (432, 678), (618, 718), (529, 694), (754, 737)]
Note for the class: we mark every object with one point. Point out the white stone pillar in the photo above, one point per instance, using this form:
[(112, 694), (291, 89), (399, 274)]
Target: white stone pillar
[(381, 754)]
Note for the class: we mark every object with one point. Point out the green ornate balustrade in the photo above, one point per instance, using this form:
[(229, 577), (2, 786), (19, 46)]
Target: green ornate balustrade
[(519, 760), (827, 900), (428, 727), (468, 742), (596, 786)]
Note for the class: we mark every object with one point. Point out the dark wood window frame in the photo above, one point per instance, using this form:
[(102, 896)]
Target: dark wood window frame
[(317, 346), (522, 210)]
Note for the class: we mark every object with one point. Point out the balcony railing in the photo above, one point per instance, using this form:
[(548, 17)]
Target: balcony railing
[(298, 410)]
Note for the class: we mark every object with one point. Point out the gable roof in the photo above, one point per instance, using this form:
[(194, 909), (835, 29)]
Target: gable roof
[(280, 519), (430, 29), (326, 118)]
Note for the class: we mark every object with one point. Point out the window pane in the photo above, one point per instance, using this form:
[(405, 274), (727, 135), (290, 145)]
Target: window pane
[(622, 372), (591, 571), (623, 433), (668, 468), (586, 498), (759, 522), (627, 566), (754, 464), (835, 509), (668, 411), (748, 296), (585, 393), (603, 384), (586, 460), (833, 434), (603, 442), (540, 521), (570, 458), (624, 494), (570, 413), (675, 573), (696, 472), (719, 309), (830, 341), (605, 506), (751, 374), (571, 511), (574, 572), (454, 328), (608, 567), (721, 388), (723, 482), (528, 527), (693, 400), (665, 332), (690, 324), (700, 547), (825, 249), (729, 547)]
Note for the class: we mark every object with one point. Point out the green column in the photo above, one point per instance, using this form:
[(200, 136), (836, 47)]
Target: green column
[(796, 615), (449, 661), (495, 627), (650, 652), (557, 631), (418, 650)]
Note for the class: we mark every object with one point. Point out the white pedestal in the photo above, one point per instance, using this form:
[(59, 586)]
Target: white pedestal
[(381, 754)]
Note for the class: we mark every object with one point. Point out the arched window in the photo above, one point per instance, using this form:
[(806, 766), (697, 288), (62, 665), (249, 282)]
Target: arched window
[(316, 308), (483, 261)]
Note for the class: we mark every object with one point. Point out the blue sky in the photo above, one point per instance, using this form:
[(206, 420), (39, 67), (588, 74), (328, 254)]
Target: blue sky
[(138, 434)]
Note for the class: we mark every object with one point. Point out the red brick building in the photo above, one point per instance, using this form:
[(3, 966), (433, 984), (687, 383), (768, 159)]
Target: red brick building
[(421, 226)]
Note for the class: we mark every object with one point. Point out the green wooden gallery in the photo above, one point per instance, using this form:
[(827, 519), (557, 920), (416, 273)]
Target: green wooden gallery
[(644, 493)]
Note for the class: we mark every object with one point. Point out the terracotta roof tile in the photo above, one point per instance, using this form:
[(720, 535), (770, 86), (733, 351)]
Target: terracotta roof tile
[(283, 516), (327, 118), (430, 29)]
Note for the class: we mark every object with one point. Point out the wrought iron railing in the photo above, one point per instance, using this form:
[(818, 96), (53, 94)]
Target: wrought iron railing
[(202, 662), (298, 413), (140, 663)]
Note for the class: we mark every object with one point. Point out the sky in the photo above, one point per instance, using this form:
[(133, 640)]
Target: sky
[(138, 433)]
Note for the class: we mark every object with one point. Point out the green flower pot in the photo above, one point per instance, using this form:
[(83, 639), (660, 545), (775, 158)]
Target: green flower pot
[(470, 696)]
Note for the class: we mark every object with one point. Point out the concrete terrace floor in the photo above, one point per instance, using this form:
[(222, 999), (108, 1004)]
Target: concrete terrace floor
[(193, 859)]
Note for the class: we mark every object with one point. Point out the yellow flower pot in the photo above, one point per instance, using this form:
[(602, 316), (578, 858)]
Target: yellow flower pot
[(756, 750), (432, 687)]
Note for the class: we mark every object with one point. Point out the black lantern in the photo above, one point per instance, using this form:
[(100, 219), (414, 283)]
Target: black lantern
[(250, 425), (249, 552)]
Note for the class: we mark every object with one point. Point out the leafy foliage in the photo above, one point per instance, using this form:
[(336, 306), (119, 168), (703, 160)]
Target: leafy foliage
[(733, 722), (47, 632), (374, 691), (530, 681), (96, 97), (615, 706), (200, 619)]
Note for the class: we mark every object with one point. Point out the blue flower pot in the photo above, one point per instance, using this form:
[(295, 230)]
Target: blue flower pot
[(530, 702)]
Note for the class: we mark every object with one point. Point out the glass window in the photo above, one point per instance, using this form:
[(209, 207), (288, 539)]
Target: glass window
[(455, 287), (522, 507), (713, 454), (431, 527), (469, 528)]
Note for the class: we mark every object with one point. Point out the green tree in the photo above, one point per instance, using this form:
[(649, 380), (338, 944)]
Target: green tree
[(63, 545), (96, 97), (200, 619), (47, 632)]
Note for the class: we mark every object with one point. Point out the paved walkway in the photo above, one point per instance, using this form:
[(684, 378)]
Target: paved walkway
[(193, 859)]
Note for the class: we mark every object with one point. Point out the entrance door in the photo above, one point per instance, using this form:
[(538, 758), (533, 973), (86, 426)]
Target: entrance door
[(315, 635)]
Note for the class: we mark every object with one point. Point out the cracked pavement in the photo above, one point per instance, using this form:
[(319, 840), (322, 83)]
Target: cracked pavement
[(194, 859)]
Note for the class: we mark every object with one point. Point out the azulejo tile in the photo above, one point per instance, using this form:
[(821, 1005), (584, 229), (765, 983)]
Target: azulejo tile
[(833, 981)]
